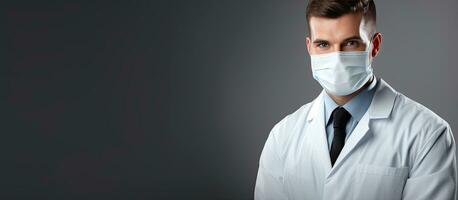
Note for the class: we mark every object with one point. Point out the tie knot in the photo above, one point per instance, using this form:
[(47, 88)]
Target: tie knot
[(341, 117)]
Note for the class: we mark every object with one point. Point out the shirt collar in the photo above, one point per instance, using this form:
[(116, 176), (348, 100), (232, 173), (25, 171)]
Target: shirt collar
[(357, 106)]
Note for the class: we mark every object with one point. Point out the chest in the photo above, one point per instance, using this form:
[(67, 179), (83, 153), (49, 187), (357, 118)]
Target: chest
[(375, 168)]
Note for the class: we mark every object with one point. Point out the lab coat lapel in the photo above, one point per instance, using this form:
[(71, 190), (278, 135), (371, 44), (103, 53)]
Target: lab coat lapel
[(380, 108), (360, 131), (317, 130)]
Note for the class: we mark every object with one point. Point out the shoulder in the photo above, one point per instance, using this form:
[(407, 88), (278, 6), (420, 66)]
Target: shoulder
[(288, 129), (291, 121), (293, 118), (404, 114), (418, 124), (409, 111)]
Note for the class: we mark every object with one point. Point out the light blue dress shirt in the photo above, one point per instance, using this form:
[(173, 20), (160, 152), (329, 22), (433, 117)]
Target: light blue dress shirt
[(357, 107)]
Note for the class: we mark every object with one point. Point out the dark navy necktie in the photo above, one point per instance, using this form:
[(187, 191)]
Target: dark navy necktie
[(340, 118)]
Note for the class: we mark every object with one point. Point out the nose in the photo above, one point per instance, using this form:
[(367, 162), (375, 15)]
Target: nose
[(336, 47)]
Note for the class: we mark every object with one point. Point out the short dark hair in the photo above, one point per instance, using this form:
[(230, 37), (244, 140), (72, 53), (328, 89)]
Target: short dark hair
[(337, 8)]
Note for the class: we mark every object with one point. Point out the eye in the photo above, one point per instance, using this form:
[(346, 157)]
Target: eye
[(351, 43), (322, 45)]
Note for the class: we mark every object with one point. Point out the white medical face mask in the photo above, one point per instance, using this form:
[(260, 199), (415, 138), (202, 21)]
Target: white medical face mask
[(342, 73)]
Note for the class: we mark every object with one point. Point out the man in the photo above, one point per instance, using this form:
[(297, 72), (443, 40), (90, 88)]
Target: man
[(360, 138)]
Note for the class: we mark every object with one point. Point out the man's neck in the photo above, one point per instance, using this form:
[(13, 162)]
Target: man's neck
[(342, 100)]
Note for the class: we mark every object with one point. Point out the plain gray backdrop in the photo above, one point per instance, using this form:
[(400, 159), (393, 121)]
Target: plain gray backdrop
[(174, 99)]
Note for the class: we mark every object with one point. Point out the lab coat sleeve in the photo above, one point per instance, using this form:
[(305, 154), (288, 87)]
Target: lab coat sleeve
[(433, 174), (269, 181)]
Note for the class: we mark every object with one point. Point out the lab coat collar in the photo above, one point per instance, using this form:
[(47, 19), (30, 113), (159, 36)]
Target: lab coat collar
[(357, 106), (383, 101), (381, 106)]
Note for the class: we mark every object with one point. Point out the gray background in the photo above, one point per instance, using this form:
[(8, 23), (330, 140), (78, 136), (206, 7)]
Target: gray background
[(175, 99)]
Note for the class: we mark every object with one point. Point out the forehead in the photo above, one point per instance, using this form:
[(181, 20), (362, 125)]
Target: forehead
[(336, 29)]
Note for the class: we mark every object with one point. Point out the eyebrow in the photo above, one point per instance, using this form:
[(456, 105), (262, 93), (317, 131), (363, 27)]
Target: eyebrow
[(317, 41), (353, 38)]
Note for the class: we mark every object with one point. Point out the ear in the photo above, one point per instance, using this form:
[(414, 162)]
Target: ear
[(376, 43), (308, 43)]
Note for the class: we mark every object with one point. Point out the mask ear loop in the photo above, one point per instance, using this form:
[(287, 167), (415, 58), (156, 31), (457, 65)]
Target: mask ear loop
[(370, 42), (368, 51)]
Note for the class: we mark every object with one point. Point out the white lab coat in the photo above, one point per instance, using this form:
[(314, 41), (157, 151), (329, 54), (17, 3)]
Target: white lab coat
[(398, 150)]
